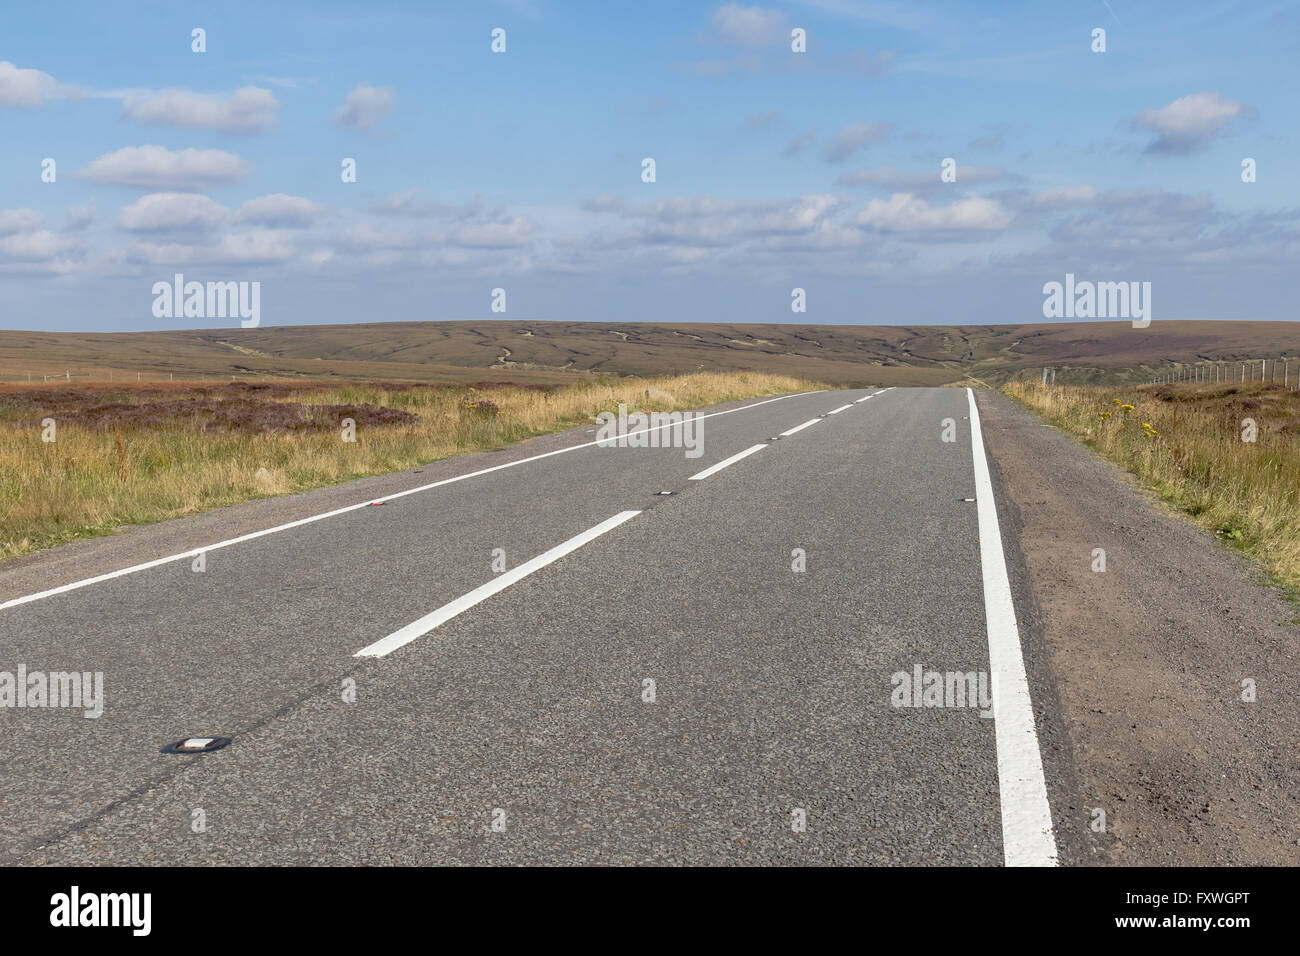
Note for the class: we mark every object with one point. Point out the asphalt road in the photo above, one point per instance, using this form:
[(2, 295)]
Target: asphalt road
[(517, 726)]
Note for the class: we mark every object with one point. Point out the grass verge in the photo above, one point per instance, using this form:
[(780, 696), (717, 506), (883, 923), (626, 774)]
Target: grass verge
[(131, 455), (1227, 455)]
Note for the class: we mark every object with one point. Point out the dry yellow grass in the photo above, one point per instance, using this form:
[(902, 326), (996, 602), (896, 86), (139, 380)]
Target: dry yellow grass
[(1188, 443), (94, 478)]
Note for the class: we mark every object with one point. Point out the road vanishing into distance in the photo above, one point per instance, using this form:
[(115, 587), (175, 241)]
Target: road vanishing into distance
[(561, 652)]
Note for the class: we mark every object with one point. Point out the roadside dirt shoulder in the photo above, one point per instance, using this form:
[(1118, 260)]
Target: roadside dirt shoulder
[(1148, 659)]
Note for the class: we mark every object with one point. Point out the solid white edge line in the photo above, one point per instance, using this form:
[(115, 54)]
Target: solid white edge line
[(424, 625), (1027, 838), (714, 469), (195, 552), (842, 408), (798, 428)]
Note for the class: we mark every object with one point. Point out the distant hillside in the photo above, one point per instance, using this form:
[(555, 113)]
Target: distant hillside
[(555, 351)]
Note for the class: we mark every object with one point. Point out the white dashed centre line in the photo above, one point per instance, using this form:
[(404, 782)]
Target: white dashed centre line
[(841, 408), (424, 625), (727, 461), (799, 428)]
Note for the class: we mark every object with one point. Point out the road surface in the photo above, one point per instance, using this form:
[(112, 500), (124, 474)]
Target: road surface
[(538, 656)]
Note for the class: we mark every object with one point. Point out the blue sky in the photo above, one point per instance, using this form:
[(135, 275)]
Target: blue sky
[(522, 170)]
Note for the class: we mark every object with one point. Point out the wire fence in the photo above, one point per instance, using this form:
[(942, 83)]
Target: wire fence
[(1222, 372), (1276, 371), (120, 376)]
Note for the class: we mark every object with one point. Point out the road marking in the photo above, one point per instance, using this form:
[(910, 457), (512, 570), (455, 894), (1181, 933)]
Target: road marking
[(799, 428), (195, 552), (424, 625), (1027, 838), (841, 408), (729, 461)]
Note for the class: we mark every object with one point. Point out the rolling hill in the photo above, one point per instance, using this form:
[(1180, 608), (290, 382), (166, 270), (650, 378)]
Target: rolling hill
[(555, 351)]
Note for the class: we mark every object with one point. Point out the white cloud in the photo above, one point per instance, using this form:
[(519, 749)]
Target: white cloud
[(160, 168), (749, 26), (256, 246), (1189, 123), (19, 220), (25, 89), (80, 216), (365, 107), (250, 109), (1059, 196), (803, 213), (367, 236), (39, 246), (28, 249), (904, 212), (279, 209), (409, 203), (493, 235), (852, 138), (162, 211), (895, 179), (704, 221)]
